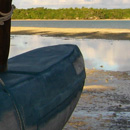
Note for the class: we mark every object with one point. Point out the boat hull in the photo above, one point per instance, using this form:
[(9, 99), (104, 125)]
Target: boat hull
[(60, 119), (41, 88)]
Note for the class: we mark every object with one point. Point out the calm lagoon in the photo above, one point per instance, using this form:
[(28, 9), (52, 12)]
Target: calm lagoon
[(100, 54), (120, 24)]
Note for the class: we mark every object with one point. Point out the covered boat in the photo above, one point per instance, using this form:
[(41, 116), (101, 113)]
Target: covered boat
[(41, 88)]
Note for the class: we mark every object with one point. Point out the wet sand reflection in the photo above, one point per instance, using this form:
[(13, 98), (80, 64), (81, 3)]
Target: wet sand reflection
[(98, 53)]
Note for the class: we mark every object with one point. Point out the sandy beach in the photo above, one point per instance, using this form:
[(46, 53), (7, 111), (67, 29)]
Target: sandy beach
[(104, 103), (113, 34), (105, 100)]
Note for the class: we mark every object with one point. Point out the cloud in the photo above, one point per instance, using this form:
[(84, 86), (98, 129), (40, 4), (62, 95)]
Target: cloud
[(126, 1), (72, 3)]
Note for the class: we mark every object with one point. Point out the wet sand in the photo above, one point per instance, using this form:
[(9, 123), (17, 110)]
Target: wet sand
[(105, 100), (113, 34), (104, 103)]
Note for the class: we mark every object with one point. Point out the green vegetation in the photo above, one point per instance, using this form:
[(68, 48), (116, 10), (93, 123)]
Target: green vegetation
[(71, 13)]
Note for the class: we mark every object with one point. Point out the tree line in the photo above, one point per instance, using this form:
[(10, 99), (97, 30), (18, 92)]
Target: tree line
[(71, 13)]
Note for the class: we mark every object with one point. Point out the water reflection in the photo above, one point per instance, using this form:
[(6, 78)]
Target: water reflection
[(99, 54)]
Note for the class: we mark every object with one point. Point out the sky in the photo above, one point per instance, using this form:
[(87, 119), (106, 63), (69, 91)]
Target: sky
[(55, 4)]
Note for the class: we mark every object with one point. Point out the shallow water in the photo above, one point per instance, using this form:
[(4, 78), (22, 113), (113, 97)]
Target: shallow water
[(124, 24), (98, 53)]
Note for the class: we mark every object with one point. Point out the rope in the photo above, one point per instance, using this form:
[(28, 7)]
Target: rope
[(2, 82), (6, 16)]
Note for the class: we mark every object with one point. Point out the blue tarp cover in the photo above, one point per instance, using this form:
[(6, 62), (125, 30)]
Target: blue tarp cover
[(37, 83)]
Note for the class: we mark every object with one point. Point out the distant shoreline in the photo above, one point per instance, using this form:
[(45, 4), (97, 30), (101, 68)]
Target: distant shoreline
[(70, 19), (82, 33)]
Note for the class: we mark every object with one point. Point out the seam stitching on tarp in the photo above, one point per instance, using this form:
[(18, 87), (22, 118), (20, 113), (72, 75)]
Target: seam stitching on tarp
[(21, 121)]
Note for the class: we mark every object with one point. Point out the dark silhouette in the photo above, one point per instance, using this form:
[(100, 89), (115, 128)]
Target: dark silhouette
[(5, 7)]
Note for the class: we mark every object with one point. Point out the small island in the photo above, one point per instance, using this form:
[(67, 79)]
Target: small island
[(71, 13)]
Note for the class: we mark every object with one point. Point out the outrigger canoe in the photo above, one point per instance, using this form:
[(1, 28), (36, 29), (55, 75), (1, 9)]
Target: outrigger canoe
[(41, 88)]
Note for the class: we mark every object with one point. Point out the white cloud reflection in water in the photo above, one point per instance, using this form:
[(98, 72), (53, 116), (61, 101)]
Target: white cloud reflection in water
[(111, 54)]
